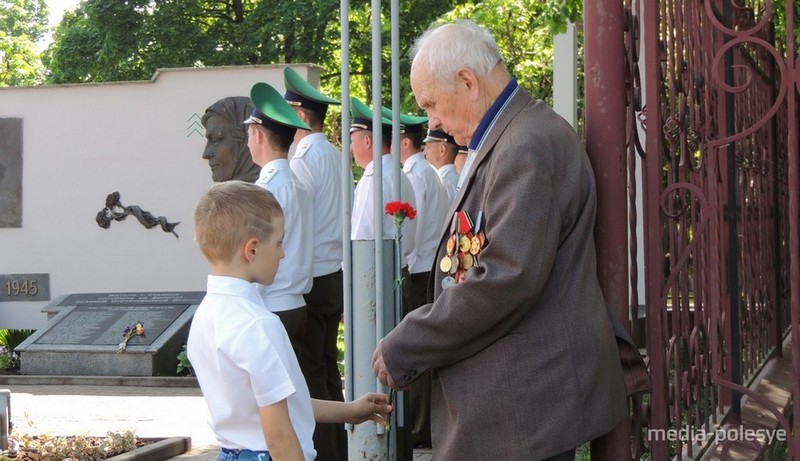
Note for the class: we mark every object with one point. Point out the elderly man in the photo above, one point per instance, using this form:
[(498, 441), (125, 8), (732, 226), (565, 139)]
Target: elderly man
[(524, 360)]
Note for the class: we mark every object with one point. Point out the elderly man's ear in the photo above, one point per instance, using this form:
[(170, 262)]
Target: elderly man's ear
[(468, 78)]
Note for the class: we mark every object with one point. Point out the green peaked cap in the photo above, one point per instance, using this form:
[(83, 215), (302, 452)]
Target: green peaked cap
[(405, 119), (271, 110), (300, 93), (362, 116), (410, 123)]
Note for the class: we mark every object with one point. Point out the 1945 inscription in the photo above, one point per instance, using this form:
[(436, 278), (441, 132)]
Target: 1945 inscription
[(24, 287)]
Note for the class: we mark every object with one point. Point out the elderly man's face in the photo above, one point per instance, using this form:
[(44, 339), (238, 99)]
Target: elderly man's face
[(222, 150), (448, 108)]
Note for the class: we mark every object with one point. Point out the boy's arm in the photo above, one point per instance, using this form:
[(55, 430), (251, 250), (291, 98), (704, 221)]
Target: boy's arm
[(370, 407), (279, 433)]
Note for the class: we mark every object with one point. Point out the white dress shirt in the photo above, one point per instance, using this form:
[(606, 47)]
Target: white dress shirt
[(362, 217), (432, 205), (293, 278), (243, 360), (449, 177), (318, 165)]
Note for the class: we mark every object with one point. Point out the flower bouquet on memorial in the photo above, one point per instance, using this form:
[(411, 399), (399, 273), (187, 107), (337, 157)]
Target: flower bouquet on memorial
[(137, 329)]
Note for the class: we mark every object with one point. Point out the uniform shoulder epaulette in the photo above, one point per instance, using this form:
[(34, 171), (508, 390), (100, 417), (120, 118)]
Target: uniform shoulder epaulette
[(302, 149)]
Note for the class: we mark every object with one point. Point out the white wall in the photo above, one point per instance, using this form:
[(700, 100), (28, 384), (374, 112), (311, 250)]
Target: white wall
[(83, 142), (565, 75)]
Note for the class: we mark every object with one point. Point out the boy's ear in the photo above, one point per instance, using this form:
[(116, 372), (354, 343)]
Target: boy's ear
[(249, 249)]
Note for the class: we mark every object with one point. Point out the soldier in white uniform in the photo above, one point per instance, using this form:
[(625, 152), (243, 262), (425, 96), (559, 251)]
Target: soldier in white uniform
[(362, 218), (270, 131), (318, 165), (440, 151)]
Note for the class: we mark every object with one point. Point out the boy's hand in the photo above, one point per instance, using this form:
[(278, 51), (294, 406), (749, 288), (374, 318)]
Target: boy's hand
[(370, 407)]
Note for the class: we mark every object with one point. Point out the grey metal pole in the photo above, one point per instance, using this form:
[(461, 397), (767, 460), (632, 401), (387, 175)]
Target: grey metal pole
[(347, 191), (395, 63), (402, 433), (365, 442), (377, 165)]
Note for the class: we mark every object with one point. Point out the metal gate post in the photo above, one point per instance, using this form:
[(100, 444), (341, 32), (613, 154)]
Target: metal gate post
[(605, 143)]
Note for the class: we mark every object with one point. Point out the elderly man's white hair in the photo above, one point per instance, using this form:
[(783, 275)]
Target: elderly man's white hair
[(446, 49)]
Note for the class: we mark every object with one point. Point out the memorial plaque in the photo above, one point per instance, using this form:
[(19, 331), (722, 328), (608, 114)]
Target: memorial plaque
[(10, 172), (133, 299), (83, 338), (104, 325), (24, 287)]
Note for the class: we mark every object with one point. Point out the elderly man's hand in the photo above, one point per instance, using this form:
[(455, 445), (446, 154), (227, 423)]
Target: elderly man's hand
[(379, 368)]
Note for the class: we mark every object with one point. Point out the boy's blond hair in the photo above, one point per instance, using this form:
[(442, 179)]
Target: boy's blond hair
[(230, 213)]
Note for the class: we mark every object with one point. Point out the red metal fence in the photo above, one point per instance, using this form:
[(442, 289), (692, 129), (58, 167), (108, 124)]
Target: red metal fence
[(711, 142)]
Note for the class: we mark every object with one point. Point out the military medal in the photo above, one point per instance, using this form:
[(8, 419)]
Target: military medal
[(446, 264), (475, 246), (464, 222), (464, 244), (447, 282), (451, 245), (467, 261)]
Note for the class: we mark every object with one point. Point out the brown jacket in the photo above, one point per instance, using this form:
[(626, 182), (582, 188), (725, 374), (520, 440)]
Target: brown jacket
[(524, 360)]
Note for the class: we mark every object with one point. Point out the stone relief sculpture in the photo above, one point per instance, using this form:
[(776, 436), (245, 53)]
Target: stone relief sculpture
[(226, 140), (115, 211), (10, 172)]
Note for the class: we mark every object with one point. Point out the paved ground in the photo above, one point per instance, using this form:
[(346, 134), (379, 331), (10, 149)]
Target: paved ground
[(91, 409)]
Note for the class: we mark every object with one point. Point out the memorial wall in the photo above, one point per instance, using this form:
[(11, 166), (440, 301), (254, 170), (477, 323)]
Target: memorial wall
[(98, 183)]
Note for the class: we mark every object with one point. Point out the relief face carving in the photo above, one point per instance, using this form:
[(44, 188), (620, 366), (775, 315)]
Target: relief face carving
[(226, 140)]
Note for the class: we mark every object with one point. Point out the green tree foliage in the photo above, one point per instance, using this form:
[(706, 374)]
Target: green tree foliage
[(524, 31), (111, 41), (414, 18), (22, 24), (115, 40)]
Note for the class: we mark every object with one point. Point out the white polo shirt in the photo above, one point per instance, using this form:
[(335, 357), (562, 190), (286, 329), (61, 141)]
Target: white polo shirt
[(318, 165), (243, 360), (362, 217), (294, 275)]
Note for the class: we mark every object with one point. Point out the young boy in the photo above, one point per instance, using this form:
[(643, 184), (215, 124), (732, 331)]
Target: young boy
[(257, 397)]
